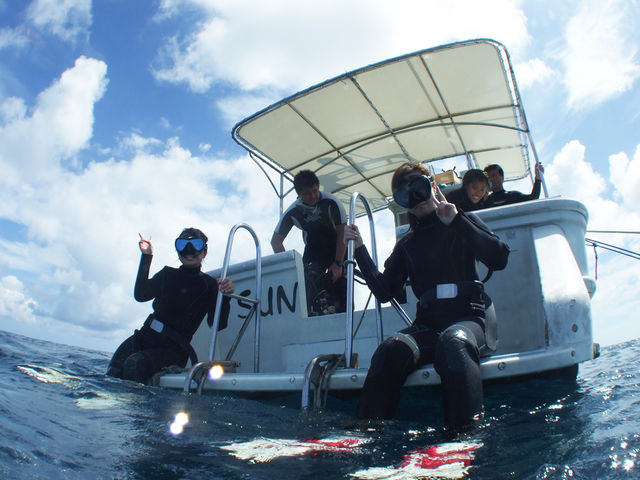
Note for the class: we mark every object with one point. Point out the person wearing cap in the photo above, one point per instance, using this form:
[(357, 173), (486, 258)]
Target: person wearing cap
[(438, 256), (473, 192), (322, 218), (182, 297), (499, 196)]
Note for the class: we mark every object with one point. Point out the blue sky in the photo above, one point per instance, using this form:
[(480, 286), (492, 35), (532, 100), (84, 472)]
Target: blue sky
[(115, 118)]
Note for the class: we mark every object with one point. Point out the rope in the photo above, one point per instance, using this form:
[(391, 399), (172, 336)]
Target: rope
[(607, 246)]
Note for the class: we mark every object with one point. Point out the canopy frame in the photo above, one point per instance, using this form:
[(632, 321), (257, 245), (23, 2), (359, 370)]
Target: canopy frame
[(307, 131)]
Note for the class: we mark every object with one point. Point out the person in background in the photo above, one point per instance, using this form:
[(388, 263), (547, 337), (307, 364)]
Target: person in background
[(181, 299), (322, 218), (439, 257), (473, 192), (498, 194)]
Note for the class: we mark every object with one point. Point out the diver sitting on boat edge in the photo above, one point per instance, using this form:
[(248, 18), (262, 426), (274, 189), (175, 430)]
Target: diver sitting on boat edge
[(322, 218), (181, 298), (439, 257)]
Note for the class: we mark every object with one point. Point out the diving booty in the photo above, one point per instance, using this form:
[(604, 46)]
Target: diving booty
[(452, 108)]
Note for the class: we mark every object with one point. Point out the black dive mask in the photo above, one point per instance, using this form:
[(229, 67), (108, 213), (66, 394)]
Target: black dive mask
[(414, 190), (189, 246)]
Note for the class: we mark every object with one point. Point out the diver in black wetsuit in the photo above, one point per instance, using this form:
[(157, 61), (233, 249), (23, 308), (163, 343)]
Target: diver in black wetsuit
[(182, 297), (439, 256), (473, 192), (499, 196)]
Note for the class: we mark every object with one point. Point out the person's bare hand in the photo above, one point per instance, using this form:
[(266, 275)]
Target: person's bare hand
[(226, 285), (539, 171), (351, 232), (336, 271), (145, 245), (446, 211)]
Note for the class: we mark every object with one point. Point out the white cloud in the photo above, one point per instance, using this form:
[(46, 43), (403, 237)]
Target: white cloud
[(533, 72), (138, 143), (611, 206), (292, 45), (625, 175), (234, 108), (67, 19), (12, 109), (13, 38), (571, 176), (601, 52), (60, 125), (14, 303)]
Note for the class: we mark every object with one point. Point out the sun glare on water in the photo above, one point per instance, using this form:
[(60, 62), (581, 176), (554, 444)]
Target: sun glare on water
[(180, 420)]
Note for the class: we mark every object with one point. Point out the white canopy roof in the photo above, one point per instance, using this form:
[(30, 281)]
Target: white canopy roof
[(356, 129)]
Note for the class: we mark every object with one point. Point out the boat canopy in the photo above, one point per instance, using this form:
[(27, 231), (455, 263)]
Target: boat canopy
[(353, 131)]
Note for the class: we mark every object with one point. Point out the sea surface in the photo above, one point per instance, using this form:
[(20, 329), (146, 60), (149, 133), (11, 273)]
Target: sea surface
[(61, 418)]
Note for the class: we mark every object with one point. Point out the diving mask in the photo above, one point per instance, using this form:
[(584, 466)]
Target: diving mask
[(414, 190), (189, 246)]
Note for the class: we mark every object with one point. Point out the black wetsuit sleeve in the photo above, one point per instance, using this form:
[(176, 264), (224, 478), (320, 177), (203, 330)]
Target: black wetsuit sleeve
[(386, 285), (225, 307), (146, 288), (486, 245), (535, 192), (224, 312)]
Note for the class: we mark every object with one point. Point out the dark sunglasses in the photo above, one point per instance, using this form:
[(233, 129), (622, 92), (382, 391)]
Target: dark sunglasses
[(197, 244), (414, 190)]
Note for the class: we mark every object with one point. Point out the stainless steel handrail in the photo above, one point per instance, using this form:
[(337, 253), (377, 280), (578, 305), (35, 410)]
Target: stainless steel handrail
[(225, 268), (350, 278)]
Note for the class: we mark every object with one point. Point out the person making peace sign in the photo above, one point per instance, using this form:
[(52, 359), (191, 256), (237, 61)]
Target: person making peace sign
[(439, 256)]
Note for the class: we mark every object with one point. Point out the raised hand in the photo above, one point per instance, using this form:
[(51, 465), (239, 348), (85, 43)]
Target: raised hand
[(145, 245), (446, 211)]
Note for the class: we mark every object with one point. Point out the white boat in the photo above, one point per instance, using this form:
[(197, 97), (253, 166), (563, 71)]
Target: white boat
[(456, 104)]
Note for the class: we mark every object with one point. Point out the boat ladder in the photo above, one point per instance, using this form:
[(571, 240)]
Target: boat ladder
[(319, 370), (200, 371)]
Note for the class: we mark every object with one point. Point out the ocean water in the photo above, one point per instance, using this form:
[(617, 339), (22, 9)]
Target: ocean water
[(60, 417)]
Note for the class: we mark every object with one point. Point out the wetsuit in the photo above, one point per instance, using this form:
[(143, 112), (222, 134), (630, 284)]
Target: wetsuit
[(181, 298), (503, 197), (448, 332), (318, 224), (461, 200)]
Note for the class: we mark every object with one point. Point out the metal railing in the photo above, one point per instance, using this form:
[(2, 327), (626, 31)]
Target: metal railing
[(350, 281), (256, 302), (350, 278), (199, 371)]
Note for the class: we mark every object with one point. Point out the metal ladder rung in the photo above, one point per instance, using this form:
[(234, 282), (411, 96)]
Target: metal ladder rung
[(255, 301), (199, 372)]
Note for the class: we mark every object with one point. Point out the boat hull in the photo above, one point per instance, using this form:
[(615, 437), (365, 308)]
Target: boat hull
[(542, 303)]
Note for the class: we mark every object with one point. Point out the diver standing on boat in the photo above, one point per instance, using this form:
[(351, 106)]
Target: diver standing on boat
[(322, 218), (181, 298), (439, 256)]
